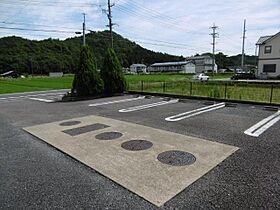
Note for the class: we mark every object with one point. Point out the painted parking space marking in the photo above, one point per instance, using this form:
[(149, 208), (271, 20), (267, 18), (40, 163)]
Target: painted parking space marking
[(117, 101), (259, 128), (195, 112), (147, 106), (48, 95), (155, 164), (42, 100)]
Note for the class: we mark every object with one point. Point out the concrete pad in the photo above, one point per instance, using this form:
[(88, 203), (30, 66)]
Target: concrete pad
[(138, 171)]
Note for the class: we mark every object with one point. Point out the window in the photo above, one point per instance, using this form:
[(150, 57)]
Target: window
[(271, 68), (267, 49)]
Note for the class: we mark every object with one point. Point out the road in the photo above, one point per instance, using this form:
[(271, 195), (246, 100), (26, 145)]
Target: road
[(36, 175)]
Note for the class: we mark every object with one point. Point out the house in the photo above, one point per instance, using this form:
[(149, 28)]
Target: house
[(269, 56), (55, 74), (138, 68), (185, 67), (203, 64)]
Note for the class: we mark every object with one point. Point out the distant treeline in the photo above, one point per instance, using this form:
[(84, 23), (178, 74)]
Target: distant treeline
[(52, 55)]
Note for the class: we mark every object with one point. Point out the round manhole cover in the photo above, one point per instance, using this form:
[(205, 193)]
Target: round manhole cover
[(109, 136), (176, 158), (69, 123), (137, 145)]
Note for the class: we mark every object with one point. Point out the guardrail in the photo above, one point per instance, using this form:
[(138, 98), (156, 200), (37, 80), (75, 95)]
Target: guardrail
[(255, 92)]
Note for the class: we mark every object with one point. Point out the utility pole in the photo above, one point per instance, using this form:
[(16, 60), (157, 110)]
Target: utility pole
[(243, 45), (30, 66), (84, 29), (110, 21), (214, 35)]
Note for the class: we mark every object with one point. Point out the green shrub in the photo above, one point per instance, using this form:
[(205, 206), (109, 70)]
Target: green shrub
[(112, 74), (87, 81)]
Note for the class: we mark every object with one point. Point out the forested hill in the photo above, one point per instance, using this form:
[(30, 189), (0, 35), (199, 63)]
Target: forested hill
[(40, 57)]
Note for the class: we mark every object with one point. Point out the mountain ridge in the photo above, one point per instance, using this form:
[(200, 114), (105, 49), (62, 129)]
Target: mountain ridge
[(40, 57)]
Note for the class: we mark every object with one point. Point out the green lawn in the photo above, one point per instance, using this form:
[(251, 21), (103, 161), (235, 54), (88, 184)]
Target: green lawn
[(47, 83), (170, 77), (169, 83), (223, 90), (34, 84)]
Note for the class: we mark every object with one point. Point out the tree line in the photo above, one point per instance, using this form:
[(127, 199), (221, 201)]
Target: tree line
[(53, 55)]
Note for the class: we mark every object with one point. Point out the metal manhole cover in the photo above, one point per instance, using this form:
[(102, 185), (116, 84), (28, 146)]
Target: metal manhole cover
[(176, 158), (70, 123), (108, 136), (137, 145)]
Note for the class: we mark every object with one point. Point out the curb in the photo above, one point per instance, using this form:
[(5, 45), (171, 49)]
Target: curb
[(232, 101)]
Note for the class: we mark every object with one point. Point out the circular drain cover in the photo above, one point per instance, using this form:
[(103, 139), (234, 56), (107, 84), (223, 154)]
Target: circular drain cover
[(176, 158), (69, 123), (137, 145), (108, 135)]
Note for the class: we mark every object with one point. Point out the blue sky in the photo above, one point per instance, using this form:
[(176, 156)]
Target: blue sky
[(177, 27)]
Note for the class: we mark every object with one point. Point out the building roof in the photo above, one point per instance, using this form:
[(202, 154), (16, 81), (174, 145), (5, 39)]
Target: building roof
[(198, 57), (138, 65), (171, 63), (264, 39)]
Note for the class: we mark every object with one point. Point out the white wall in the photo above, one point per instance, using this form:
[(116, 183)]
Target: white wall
[(271, 58), (134, 68), (56, 74), (188, 68)]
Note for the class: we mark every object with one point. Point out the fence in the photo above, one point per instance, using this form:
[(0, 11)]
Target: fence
[(258, 92)]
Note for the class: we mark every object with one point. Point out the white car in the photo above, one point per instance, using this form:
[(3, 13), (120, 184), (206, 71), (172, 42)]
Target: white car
[(201, 77)]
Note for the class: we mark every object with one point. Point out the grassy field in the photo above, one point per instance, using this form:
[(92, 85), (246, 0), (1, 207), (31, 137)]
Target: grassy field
[(222, 90), (34, 84), (169, 77), (47, 83), (169, 83)]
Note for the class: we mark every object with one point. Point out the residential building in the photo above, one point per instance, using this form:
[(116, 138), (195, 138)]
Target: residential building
[(269, 56), (185, 67), (138, 68), (203, 64)]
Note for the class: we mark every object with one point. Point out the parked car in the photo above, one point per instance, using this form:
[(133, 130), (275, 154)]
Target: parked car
[(243, 76), (201, 77)]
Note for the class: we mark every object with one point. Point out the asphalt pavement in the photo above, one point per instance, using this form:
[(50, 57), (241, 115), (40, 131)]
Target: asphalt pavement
[(35, 175)]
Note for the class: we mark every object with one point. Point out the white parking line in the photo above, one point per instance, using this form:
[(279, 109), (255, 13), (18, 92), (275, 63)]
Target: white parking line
[(195, 112), (147, 106), (12, 98), (118, 101), (263, 125), (37, 92), (42, 100)]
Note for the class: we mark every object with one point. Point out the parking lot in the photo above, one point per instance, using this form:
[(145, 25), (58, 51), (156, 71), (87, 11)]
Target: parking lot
[(242, 170)]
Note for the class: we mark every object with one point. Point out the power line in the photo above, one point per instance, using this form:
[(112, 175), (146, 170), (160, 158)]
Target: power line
[(150, 11), (41, 30), (39, 25), (149, 19), (163, 45), (159, 15), (57, 4), (158, 40)]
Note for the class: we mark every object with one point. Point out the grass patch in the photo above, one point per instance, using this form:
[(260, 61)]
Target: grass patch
[(35, 84), (221, 90), (181, 84)]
